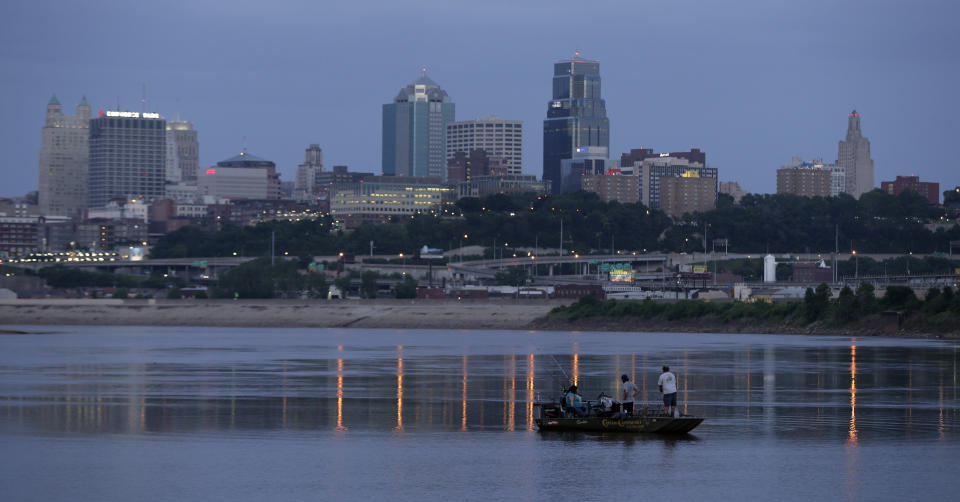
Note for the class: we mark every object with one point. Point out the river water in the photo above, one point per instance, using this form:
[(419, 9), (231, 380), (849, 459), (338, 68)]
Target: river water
[(122, 413)]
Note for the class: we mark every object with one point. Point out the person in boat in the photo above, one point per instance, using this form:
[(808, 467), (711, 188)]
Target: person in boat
[(668, 386), (628, 394), (573, 402)]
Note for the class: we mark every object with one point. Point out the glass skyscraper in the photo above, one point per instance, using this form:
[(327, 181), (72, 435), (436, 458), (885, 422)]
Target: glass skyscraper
[(576, 117), (415, 130)]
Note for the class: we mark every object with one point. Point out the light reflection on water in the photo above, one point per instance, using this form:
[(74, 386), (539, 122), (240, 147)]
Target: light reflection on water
[(848, 404)]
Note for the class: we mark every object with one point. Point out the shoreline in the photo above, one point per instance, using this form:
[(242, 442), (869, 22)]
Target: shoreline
[(504, 314)]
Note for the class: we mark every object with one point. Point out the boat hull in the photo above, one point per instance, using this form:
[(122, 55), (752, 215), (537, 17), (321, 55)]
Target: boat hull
[(653, 425)]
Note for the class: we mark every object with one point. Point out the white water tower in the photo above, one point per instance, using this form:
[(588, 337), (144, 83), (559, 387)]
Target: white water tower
[(769, 268)]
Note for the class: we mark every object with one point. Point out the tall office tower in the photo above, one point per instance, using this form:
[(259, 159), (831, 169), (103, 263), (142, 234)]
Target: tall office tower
[(183, 153), (305, 184), (854, 156), (127, 157), (415, 130), (496, 137), (576, 116), (64, 156)]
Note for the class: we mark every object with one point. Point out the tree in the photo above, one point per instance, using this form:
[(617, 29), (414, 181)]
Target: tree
[(407, 288), (343, 283), (866, 299), (513, 276), (174, 293), (120, 293), (899, 297), (847, 309), (816, 302), (368, 283)]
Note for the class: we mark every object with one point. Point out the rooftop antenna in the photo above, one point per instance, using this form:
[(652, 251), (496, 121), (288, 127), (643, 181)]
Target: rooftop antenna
[(143, 99), (243, 150)]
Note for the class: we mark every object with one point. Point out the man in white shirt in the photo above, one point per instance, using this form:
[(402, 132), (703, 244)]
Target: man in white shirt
[(629, 393), (668, 386)]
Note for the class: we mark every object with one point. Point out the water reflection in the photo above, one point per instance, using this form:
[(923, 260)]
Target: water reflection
[(853, 395), (849, 393), (399, 426)]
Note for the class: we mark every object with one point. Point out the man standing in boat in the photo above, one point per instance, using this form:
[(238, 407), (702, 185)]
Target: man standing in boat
[(668, 386), (628, 394)]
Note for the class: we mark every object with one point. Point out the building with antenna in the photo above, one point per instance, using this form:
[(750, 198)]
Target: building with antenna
[(64, 156), (415, 130)]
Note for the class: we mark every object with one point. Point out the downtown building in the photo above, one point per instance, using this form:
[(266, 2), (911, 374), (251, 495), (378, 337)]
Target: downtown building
[(183, 153), (243, 176), (376, 199), (576, 119), (853, 156), (127, 157), (496, 137), (64, 159), (305, 184), (811, 179), (928, 189), (653, 169), (415, 130)]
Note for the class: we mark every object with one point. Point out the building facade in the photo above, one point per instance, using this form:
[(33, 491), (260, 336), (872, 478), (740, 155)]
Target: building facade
[(498, 138), (481, 186), (415, 130), (652, 170), (305, 184), (731, 188), (688, 193), (64, 158), (378, 198), (853, 155), (930, 190), (127, 157), (576, 116), (463, 166), (805, 182), (243, 176), (183, 153), (613, 186)]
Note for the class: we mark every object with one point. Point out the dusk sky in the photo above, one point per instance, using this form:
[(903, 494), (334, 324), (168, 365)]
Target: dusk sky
[(752, 83)]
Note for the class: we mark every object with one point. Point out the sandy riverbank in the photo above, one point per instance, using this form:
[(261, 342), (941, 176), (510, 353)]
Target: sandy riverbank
[(402, 314)]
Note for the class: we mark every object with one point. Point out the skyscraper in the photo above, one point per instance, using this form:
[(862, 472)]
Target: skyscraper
[(496, 137), (64, 156), (415, 130), (576, 116), (183, 152), (305, 184), (853, 155), (127, 157)]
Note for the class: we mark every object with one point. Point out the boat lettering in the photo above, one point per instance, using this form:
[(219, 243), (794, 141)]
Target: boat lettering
[(621, 423)]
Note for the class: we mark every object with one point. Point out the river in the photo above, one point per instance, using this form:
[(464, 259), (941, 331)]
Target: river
[(121, 413)]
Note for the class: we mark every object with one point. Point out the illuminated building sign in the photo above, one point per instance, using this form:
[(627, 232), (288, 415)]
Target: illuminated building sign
[(621, 276), (133, 115)]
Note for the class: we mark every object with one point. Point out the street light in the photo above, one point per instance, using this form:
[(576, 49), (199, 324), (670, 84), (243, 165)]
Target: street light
[(856, 265), (404, 272)]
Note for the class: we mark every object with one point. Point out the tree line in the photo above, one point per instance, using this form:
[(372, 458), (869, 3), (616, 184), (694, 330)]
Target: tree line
[(876, 223)]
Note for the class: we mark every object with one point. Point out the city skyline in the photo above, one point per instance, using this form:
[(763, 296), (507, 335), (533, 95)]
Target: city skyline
[(725, 96)]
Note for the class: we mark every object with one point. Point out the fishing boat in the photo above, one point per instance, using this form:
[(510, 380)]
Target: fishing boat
[(551, 416)]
